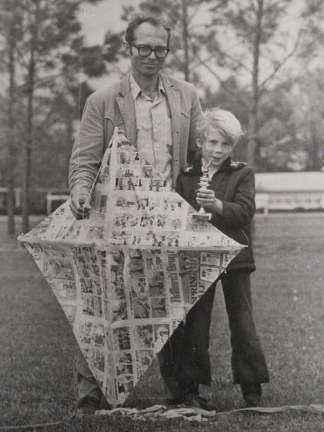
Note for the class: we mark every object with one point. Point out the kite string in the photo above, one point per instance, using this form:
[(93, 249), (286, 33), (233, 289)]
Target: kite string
[(314, 408), (31, 426)]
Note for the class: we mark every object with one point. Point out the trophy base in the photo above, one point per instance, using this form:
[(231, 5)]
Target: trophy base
[(202, 217)]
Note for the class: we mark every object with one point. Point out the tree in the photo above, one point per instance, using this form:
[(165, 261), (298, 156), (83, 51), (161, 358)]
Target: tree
[(250, 27), (45, 55), (250, 39), (246, 39), (291, 128), (308, 116), (9, 28), (259, 42)]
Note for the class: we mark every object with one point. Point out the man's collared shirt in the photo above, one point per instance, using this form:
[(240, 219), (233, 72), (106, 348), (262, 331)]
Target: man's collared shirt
[(154, 139)]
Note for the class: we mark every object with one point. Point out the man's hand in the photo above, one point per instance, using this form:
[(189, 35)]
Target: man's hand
[(80, 203), (206, 198)]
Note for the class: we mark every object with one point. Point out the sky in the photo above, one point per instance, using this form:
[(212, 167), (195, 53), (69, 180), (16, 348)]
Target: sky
[(96, 20), (105, 15)]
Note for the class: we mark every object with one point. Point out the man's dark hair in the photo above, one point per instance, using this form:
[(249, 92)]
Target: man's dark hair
[(140, 19)]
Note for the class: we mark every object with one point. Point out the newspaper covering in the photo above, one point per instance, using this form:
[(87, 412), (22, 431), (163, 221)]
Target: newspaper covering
[(126, 276)]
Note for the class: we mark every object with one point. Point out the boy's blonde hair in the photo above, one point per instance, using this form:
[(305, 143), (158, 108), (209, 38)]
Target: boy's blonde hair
[(225, 122)]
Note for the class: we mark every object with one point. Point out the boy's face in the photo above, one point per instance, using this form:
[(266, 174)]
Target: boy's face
[(216, 148)]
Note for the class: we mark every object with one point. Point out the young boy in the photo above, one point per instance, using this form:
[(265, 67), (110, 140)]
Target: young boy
[(230, 199)]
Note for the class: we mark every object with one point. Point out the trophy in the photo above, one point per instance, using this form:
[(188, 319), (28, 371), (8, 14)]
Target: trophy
[(202, 215)]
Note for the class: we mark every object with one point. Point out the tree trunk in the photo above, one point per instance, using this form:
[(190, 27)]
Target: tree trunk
[(28, 144), (11, 128), (31, 76), (253, 116), (314, 153), (185, 36), (68, 145)]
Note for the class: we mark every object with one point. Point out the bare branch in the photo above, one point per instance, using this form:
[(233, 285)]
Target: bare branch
[(232, 58), (223, 83), (197, 26), (175, 55), (279, 65), (21, 58), (118, 69), (194, 13), (41, 82), (47, 117), (235, 60)]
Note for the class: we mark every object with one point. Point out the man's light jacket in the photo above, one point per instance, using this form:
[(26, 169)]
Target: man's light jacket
[(114, 106)]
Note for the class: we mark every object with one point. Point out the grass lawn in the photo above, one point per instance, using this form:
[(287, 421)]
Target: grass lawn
[(38, 349)]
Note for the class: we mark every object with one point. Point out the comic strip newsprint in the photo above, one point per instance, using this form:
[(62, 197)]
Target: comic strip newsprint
[(127, 275)]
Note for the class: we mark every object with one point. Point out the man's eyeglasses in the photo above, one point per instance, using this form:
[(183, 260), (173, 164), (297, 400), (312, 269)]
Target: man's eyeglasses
[(146, 50)]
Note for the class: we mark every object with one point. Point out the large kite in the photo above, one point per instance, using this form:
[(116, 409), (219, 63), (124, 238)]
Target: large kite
[(127, 275)]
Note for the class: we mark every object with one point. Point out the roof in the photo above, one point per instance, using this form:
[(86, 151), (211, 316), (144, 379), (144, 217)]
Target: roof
[(290, 182)]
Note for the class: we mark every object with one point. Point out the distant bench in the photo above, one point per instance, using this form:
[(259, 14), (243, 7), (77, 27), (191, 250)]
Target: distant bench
[(262, 202), (289, 201)]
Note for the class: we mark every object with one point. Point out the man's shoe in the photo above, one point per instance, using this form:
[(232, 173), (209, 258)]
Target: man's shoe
[(87, 407), (85, 411), (104, 405), (251, 394), (175, 401), (252, 400), (193, 400)]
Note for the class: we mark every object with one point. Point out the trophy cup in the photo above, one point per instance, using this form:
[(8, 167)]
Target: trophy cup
[(202, 215)]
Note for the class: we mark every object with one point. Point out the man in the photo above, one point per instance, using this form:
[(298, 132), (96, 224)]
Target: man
[(160, 115)]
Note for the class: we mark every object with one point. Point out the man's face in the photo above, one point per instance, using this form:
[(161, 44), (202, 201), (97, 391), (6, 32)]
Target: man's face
[(148, 35), (216, 148)]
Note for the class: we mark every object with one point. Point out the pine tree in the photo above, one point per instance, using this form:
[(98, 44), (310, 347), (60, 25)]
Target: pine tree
[(44, 60)]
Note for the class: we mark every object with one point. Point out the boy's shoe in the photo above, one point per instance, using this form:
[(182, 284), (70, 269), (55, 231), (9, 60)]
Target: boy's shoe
[(252, 400), (193, 400), (251, 394), (180, 390), (190, 398)]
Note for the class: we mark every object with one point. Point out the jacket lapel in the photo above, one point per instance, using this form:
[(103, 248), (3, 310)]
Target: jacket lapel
[(126, 107), (173, 99)]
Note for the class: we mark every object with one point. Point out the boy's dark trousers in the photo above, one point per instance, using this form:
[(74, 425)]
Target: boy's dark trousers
[(184, 359)]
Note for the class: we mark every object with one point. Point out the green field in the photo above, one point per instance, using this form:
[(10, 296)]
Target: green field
[(38, 349)]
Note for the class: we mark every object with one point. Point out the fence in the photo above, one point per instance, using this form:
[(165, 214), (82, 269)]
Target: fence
[(289, 191), (42, 200), (289, 201), (274, 192)]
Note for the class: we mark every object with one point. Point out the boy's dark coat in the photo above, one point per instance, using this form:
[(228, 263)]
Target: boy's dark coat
[(185, 359), (234, 185)]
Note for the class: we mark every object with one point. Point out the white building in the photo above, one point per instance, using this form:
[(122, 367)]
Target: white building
[(290, 191)]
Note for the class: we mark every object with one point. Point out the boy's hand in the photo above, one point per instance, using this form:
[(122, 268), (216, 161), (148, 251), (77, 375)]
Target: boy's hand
[(206, 198), (80, 203)]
